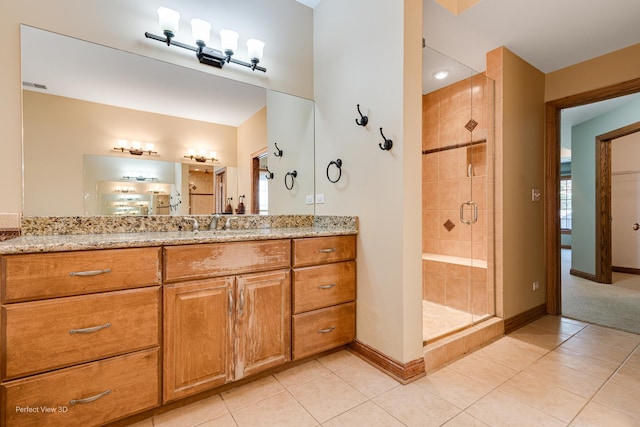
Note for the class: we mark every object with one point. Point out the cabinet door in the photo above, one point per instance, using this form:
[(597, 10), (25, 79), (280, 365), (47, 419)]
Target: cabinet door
[(197, 336), (263, 322)]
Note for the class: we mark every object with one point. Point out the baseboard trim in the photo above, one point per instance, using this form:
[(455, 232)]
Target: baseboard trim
[(524, 318), (583, 275), (401, 372), (626, 270)]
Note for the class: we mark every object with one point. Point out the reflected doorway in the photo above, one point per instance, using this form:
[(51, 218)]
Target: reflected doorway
[(260, 182)]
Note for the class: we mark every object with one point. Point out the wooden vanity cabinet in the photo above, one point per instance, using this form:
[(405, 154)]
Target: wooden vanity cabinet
[(224, 328), (324, 293), (80, 336)]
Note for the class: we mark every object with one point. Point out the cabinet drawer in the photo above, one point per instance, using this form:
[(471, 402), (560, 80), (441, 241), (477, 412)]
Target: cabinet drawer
[(320, 250), (323, 285), (219, 259), (37, 276), (45, 335), (121, 386), (324, 329)]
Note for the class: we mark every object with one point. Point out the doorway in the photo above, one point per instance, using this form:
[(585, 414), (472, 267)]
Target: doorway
[(259, 182), (552, 180), (604, 247)]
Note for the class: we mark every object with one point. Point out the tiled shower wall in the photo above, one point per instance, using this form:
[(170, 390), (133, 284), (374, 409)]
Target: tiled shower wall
[(450, 177), (446, 181)]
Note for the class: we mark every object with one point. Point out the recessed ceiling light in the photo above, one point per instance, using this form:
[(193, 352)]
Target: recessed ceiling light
[(441, 74)]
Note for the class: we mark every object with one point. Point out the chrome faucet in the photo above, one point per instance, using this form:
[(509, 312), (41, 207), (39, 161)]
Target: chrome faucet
[(227, 225), (213, 225), (194, 221)]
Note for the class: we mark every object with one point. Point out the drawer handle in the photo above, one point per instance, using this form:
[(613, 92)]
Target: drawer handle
[(329, 286), (327, 251), (89, 330), (90, 272), (90, 399), (326, 331)]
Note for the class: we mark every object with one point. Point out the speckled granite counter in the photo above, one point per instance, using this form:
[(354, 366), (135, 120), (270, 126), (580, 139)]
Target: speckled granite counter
[(254, 230)]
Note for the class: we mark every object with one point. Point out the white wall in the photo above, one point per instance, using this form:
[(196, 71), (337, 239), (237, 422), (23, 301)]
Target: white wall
[(361, 58), (285, 26), (290, 125)]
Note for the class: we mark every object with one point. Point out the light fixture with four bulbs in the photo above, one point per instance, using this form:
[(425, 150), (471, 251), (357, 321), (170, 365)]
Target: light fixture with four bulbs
[(200, 30)]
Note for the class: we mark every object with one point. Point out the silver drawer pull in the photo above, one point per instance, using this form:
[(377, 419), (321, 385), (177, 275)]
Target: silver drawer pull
[(329, 286), (89, 399), (327, 251), (326, 331), (90, 272), (89, 330)]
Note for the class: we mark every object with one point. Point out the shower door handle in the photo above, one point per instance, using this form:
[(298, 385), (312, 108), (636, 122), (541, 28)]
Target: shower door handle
[(474, 206)]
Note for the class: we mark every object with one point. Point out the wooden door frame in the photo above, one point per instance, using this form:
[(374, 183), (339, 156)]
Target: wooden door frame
[(255, 179), (604, 266), (552, 179)]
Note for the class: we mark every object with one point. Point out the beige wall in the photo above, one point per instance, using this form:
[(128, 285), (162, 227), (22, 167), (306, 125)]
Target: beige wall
[(519, 168), (285, 26), (59, 131), (252, 137), (383, 188), (605, 70)]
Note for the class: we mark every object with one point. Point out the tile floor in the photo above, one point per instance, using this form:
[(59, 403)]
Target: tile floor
[(552, 372)]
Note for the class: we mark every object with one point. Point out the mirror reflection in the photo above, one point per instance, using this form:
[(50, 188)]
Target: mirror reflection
[(81, 99)]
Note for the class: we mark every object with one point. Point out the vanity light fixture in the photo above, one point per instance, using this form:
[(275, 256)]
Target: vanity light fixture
[(124, 190), (200, 29), (201, 156), (140, 178), (135, 148), (155, 190)]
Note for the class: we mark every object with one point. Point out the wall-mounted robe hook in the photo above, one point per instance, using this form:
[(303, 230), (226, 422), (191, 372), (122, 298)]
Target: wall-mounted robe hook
[(338, 164), (293, 175), (278, 152), (269, 174), (387, 142), (363, 119)]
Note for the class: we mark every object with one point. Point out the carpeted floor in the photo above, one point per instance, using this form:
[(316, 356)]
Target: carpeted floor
[(616, 306)]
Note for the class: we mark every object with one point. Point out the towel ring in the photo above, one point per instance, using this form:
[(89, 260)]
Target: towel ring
[(293, 175), (338, 164)]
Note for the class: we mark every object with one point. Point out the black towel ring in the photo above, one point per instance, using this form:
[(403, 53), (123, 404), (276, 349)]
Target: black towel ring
[(293, 175), (338, 164)]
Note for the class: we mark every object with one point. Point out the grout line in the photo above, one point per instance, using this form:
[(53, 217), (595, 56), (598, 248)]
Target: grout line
[(605, 383)]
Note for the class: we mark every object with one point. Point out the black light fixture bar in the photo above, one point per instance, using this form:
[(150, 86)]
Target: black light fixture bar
[(205, 54)]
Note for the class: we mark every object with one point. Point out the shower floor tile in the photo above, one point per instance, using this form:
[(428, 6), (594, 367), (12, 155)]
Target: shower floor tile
[(439, 320)]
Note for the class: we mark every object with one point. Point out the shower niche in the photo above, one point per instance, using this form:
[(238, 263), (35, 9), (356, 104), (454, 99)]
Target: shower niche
[(458, 288)]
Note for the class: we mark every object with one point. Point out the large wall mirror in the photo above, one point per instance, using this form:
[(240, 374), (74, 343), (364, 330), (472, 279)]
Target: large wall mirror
[(82, 101)]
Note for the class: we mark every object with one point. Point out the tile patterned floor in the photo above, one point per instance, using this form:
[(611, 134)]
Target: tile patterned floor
[(552, 372)]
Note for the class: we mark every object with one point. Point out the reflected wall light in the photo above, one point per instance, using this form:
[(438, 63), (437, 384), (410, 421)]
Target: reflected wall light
[(169, 20), (201, 156), (135, 147)]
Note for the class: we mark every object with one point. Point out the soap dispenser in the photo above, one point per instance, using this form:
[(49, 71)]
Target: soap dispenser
[(240, 208)]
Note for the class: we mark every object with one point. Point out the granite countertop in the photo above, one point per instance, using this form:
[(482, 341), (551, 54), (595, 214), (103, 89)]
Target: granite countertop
[(76, 242)]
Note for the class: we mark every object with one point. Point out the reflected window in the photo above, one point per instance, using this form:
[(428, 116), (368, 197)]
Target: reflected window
[(565, 203)]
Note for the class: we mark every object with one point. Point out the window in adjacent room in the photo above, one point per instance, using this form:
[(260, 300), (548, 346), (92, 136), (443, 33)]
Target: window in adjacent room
[(565, 203)]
